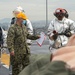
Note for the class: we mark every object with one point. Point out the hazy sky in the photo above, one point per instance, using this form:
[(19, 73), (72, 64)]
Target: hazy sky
[(36, 9)]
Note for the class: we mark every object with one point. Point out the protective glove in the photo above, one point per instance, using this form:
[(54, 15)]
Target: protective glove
[(55, 36), (68, 34)]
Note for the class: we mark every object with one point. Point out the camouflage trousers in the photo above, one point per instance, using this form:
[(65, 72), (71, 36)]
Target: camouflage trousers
[(19, 62)]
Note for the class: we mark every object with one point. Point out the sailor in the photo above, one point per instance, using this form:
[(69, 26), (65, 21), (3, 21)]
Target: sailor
[(17, 45), (60, 29)]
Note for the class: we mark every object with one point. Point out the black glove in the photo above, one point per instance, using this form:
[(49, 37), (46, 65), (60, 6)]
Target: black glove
[(68, 34), (55, 36)]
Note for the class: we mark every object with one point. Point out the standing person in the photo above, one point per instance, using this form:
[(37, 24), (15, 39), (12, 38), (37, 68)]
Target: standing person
[(17, 45), (26, 22), (1, 40), (60, 29)]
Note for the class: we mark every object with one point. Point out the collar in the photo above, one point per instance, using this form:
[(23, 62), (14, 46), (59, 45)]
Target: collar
[(61, 20)]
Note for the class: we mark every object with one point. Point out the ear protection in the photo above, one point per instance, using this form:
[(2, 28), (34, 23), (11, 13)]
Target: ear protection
[(59, 12), (66, 13)]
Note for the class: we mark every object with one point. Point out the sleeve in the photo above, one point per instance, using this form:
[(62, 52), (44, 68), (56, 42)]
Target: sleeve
[(72, 26), (29, 27), (32, 37), (50, 29), (10, 39)]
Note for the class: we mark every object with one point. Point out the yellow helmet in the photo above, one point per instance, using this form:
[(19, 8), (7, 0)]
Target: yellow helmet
[(21, 15)]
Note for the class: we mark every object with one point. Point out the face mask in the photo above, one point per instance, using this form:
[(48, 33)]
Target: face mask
[(24, 22)]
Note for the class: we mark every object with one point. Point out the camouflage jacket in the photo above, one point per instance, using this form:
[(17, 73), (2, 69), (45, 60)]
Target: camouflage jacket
[(41, 65), (16, 39)]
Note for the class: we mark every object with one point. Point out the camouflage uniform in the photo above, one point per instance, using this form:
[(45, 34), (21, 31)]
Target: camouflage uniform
[(16, 41)]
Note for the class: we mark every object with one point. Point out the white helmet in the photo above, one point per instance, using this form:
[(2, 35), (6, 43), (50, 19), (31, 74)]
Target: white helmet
[(18, 10)]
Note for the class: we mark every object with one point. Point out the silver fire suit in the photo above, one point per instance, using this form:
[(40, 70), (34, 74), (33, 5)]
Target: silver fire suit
[(60, 27), (30, 30)]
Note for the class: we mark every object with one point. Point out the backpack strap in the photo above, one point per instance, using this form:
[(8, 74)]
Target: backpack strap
[(25, 22)]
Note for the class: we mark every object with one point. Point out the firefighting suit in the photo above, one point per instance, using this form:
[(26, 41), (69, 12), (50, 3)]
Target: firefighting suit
[(60, 27)]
